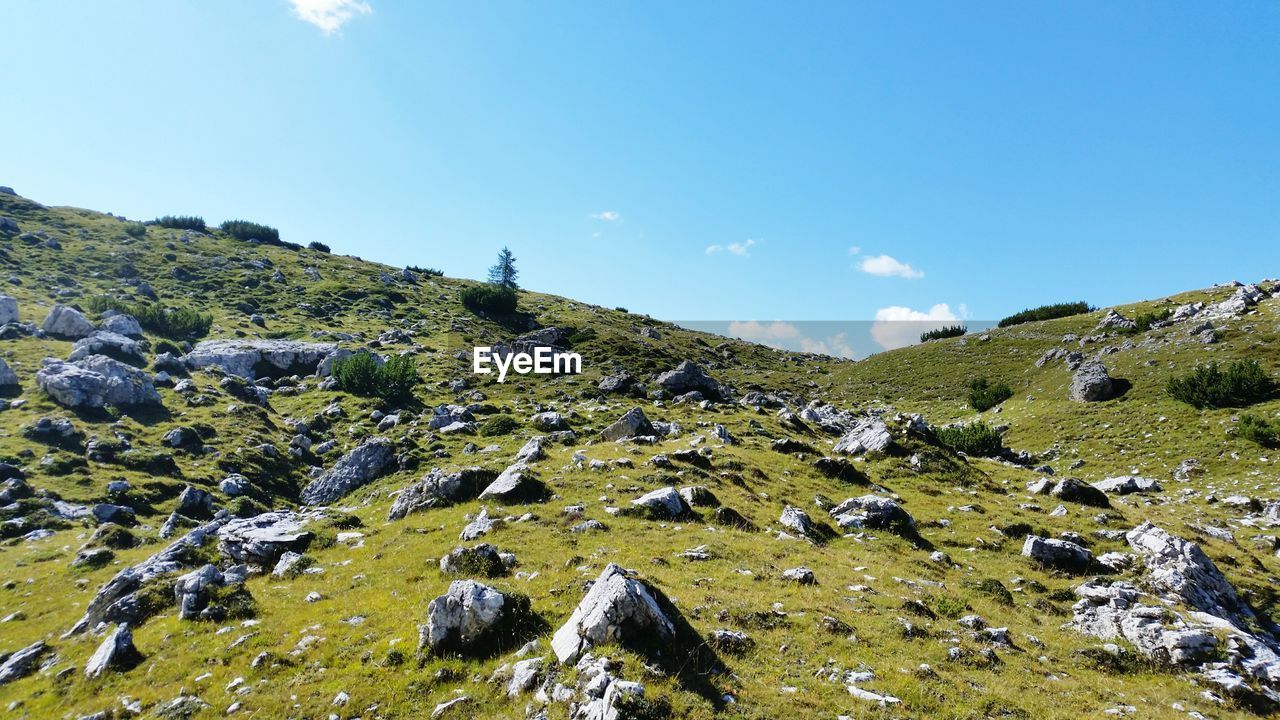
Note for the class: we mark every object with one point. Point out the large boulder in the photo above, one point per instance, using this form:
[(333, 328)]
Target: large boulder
[(1127, 484), (688, 377), (663, 503), (252, 359), (632, 424), (1115, 321), (1058, 554), (121, 324), (366, 463), (516, 484), (1073, 490), (22, 663), (438, 488), (874, 513), (1091, 383), (617, 608), (8, 378), (1180, 571), (96, 381), (117, 652), (468, 617), (66, 323), (8, 310), (870, 434), (262, 539), (112, 345)]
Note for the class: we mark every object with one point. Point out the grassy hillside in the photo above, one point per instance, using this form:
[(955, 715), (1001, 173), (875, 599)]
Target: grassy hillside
[(358, 639)]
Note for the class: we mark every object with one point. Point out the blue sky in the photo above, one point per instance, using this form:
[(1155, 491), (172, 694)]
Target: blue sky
[(692, 160)]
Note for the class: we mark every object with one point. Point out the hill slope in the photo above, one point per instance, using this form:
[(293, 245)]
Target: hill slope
[(907, 584)]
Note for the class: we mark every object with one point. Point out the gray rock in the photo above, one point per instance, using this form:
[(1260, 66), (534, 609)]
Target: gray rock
[(438, 488), (1058, 554), (191, 591), (110, 344), (234, 485), (873, 512), (531, 451), (96, 381), (366, 463), (1073, 490), (482, 524), (800, 576), (1115, 321), (798, 522), (261, 540), (1091, 383), (464, 616), (689, 376), (516, 484), (195, 503), (1127, 484), (67, 323), (663, 502), (8, 378), (699, 496), (8, 310), (615, 383), (632, 424), (869, 435), (121, 324), (549, 421), (251, 359), (1180, 571), (617, 608), (483, 559), (22, 663), (116, 652)]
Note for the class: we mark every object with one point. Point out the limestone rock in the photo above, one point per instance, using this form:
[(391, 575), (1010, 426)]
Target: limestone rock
[(363, 465), (617, 608)]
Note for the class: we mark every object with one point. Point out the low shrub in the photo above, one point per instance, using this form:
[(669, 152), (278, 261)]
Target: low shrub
[(245, 230), (1143, 321), (977, 439), (1047, 312), (360, 374), (431, 272), (984, 395), (498, 425), (490, 298), (135, 230), (1238, 384), (944, 332), (181, 222), (318, 246), (177, 323), (1259, 430)]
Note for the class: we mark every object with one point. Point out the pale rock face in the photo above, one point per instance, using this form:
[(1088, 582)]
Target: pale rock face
[(618, 609), (1127, 484), (96, 381), (1091, 383), (1057, 553), (872, 512), (632, 424), (121, 324), (8, 378), (250, 359), (261, 540), (116, 652), (8, 310), (869, 435), (67, 323), (462, 616), (663, 501), (439, 488), (366, 463)]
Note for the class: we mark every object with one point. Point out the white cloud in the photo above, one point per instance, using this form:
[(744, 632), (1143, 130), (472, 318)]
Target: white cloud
[(608, 215), (787, 336), (886, 266), (898, 326), (855, 250), (741, 249), (329, 15)]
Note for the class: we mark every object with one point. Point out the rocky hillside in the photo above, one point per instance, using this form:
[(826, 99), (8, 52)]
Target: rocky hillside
[(197, 520)]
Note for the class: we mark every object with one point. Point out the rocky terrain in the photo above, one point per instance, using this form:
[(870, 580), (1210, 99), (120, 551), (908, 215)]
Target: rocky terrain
[(209, 526)]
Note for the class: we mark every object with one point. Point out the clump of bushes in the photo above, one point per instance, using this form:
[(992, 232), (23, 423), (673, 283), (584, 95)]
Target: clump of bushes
[(490, 298), (1258, 429), (977, 439), (498, 425), (943, 333), (318, 246), (1238, 384), (1047, 312), (245, 230), (181, 222), (360, 374), (984, 395), (431, 272), (1144, 321), (135, 230), (177, 323)]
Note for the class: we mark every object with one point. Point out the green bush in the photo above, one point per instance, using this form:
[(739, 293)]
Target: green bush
[(318, 246), (135, 230), (983, 395), (431, 272), (178, 323), (977, 439), (1143, 321), (944, 332), (491, 298), (245, 230), (1239, 384), (1047, 312), (181, 222), (1258, 429), (498, 425), (360, 374)]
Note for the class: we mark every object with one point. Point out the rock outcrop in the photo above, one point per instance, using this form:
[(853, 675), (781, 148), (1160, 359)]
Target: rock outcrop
[(252, 359), (366, 463), (95, 382), (618, 608)]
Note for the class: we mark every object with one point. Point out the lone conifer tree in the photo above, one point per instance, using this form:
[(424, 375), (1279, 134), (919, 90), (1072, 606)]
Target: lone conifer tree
[(504, 272)]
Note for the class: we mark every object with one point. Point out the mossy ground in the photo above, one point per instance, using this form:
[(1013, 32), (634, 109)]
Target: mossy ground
[(389, 578)]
